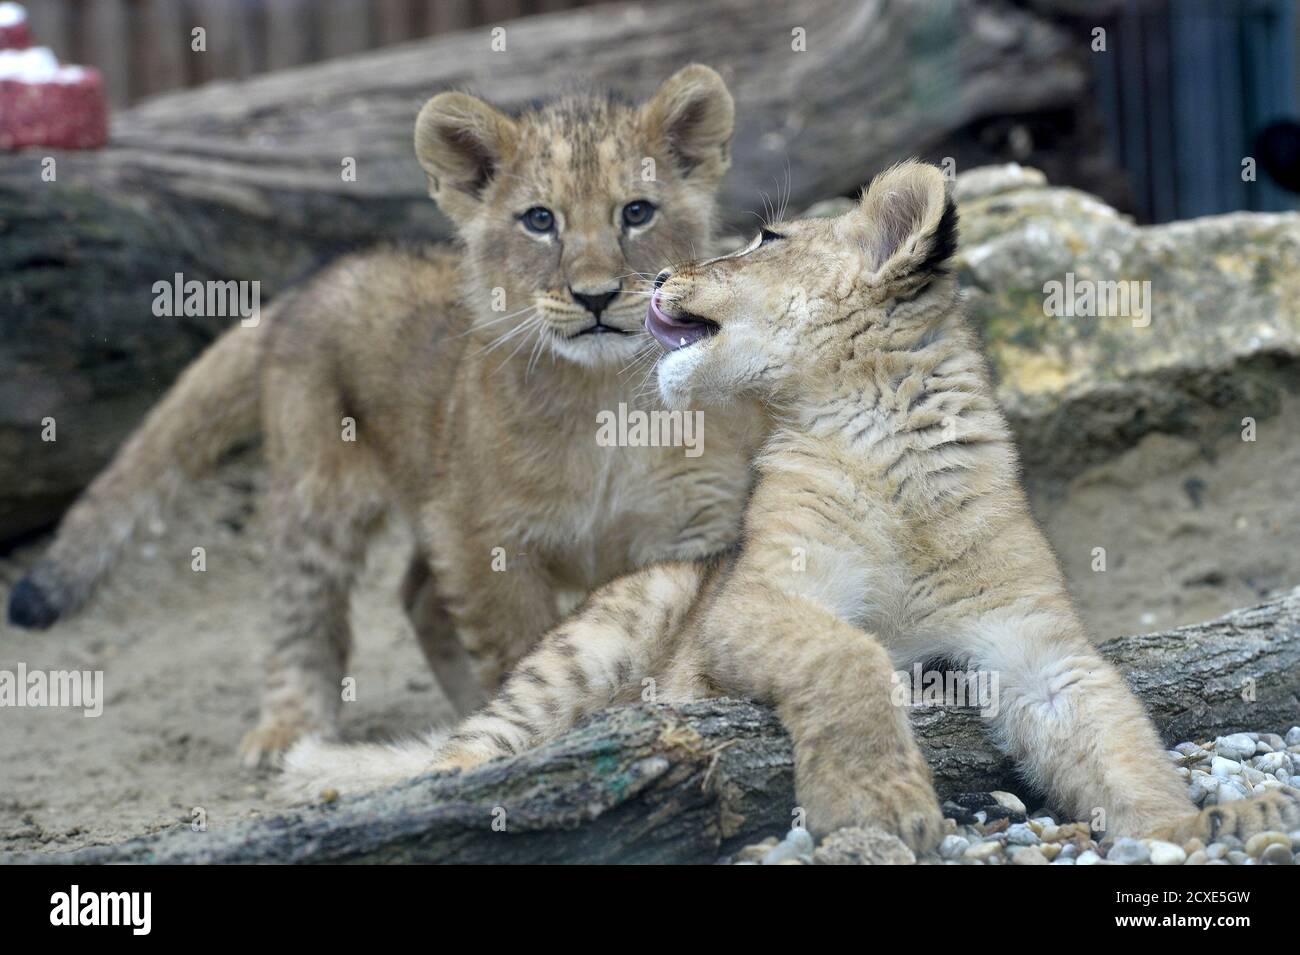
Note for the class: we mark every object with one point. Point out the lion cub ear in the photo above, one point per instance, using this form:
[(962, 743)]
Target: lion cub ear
[(462, 142), (906, 221), (692, 116)]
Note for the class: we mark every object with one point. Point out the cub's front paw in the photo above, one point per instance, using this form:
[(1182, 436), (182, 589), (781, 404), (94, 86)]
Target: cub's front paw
[(268, 742), (1274, 809), (900, 801)]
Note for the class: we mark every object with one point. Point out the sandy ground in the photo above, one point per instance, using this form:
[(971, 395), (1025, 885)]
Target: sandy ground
[(1188, 535)]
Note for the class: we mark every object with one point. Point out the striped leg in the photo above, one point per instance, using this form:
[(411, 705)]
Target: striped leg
[(624, 633)]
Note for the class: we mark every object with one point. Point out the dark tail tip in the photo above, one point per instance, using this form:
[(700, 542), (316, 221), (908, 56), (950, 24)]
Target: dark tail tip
[(31, 607)]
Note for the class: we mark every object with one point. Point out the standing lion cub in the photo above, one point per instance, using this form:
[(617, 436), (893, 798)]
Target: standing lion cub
[(460, 389), (890, 469)]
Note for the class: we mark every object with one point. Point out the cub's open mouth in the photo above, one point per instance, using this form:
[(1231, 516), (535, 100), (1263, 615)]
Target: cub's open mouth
[(673, 333), (600, 328)]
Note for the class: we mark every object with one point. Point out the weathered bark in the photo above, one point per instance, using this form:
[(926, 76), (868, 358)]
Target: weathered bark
[(687, 783), (244, 180)]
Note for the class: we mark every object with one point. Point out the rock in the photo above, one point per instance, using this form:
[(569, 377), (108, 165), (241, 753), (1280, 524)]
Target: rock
[(953, 846), (1028, 855), (1089, 857), (1022, 835), (1237, 746), (1293, 736), (798, 844), (755, 852), (1230, 790), (976, 807), (987, 181), (1257, 843), (863, 846), (1078, 389), (1201, 785), (957, 813), (1223, 767), (1199, 857), (1276, 854), (1127, 851), (1009, 801), (1166, 853), (983, 850), (1050, 850), (1274, 763)]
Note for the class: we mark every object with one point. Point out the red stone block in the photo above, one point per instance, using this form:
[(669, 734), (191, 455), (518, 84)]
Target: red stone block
[(13, 27), (62, 108)]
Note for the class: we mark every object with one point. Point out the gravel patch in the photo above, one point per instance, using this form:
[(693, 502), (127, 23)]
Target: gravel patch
[(997, 829)]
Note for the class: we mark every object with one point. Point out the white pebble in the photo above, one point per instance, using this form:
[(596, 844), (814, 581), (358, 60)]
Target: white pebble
[(1021, 835), (953, 846), (1009, 801), (1223, 767), (1127, 851), (1166, 853), (1237, 746)]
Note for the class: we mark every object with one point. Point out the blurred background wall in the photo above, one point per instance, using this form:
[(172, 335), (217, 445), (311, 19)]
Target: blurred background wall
[(1184, 90), (134, 42)]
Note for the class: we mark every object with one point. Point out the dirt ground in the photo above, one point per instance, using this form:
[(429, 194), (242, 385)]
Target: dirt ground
[(1188, 535)]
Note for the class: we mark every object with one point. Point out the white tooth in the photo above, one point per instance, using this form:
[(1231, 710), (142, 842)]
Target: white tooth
[(681, 341)]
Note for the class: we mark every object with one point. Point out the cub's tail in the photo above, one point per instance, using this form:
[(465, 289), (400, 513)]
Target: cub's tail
[(313, 766), (214, 406)]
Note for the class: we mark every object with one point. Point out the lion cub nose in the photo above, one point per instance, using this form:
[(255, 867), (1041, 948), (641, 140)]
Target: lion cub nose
[(594, 301)]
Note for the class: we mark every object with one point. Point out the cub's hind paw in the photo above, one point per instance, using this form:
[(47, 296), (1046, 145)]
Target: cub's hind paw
[(1274, 809)]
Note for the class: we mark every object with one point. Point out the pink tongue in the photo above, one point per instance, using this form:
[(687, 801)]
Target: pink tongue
[(670, 332)]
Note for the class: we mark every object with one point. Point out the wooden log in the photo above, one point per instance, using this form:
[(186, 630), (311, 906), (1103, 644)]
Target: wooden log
[(689, 783), (242, 180)]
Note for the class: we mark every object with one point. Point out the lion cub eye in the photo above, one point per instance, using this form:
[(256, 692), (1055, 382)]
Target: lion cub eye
[(538, 219), (638, 213), (767, 235)]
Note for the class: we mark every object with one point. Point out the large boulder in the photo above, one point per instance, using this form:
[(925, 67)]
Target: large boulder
[(1216, 338)]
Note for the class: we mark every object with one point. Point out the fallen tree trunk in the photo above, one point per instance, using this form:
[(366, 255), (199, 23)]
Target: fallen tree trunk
[(688, 783), (244, 181)]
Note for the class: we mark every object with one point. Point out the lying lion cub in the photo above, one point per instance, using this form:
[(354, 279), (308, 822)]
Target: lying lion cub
[(891, 475)]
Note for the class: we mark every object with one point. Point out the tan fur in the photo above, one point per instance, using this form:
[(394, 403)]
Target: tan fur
[(887, 525), (477, 424)]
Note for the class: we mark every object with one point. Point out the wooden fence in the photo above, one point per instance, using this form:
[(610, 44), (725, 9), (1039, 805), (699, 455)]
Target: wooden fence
[(145, 46)]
